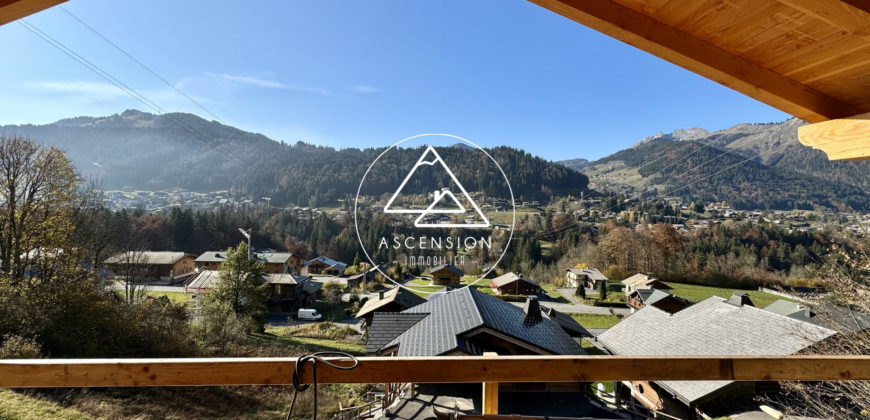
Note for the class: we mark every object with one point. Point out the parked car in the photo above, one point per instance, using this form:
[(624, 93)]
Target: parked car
[(308, 315)]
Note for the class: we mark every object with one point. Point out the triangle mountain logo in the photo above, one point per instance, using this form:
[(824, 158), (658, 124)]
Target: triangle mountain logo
[(444, 201)]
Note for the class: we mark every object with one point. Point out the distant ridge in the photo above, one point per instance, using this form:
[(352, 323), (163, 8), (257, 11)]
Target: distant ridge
[(781, 173), (144, 151)]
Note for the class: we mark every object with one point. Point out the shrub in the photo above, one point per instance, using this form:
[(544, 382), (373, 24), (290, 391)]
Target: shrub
[(17, 347), (322, 330)]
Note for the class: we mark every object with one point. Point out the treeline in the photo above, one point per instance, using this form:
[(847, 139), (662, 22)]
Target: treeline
[(725, 255), (317, 176)]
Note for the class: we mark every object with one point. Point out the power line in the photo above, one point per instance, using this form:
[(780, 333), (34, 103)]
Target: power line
[(141, 64), (127, 89)]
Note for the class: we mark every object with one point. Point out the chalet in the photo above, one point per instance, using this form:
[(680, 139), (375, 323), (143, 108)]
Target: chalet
[(163, 265), (515, 284), (661, 299), (446, 275), (357, 280), (468, 322), (643, 282), (396, 299), (590, 277), (711, 327), (326, 266), (273, 262), (286, 291)]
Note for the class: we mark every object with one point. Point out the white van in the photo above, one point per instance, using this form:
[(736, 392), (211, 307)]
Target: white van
[(309, 315)]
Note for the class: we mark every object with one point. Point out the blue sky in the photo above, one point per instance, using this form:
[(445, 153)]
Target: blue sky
[(354, 74)]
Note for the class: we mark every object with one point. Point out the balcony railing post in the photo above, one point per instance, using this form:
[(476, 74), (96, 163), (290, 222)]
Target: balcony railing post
[(490, 393)]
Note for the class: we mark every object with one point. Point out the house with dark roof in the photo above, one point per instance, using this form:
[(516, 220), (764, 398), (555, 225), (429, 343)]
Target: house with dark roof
[(446, 275), (326, 266), (661, 299), (468, 322), (515, 284), (590, 277), (396, 299), (711, 327)]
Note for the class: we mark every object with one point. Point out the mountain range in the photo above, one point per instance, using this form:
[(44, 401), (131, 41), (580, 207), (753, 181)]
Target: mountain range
[(144, 151), (748, 165)]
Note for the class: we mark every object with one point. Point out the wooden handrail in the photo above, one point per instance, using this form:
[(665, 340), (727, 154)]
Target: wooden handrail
[(449, 369)]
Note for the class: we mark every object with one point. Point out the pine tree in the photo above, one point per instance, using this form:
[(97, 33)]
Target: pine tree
[(239, 284)]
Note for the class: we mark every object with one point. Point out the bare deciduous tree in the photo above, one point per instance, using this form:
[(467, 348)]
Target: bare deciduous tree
[(38, 186)]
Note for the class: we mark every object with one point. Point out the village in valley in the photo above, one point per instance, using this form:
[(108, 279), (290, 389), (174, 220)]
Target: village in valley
[(442, 310)]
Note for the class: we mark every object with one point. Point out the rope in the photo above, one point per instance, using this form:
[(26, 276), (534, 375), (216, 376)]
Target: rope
[(321, 357)]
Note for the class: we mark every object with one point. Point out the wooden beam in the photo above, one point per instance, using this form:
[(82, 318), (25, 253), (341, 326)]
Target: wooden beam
[(449, 369), (703, 58), (840, 139), (490, 392), (12, 10)]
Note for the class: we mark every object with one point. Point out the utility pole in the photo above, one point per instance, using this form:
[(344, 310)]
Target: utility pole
[(247, 234)]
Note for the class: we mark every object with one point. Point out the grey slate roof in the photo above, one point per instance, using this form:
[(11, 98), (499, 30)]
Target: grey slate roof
[(266, 257), (569, 324), (211, 256), (147, 257), (273, 257), (204, 280), (591, 273), (403, 297), (207, 279), (388, 325), (710, 327), (283, 278), (510, 278), (329, 262), (650, 296), (458, 312), (784, 307), (835, 317)]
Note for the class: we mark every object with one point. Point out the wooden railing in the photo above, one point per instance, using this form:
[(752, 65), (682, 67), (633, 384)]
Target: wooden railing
[(454, 369)]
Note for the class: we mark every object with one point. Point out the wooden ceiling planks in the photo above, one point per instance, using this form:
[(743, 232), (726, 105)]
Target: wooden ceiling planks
[(12, 10), (665, 37), (809, 58)]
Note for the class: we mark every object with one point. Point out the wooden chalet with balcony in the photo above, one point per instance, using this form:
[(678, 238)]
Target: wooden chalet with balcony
[(515, 284), (446, 275), (151, 265), (273, 262)]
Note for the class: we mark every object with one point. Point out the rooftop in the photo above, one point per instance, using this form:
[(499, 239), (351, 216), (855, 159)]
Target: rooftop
[(147, 257), (710, 327), (401, 296), (510, 278), (454, 314)]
